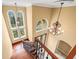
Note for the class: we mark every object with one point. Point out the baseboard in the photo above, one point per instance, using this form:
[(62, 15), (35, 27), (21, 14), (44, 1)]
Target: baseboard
[(19, 41)]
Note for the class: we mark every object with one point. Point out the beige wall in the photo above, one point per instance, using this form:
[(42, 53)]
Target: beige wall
[(67, 19), (6, 42), (5, 14), (29, 23), (68, 23)]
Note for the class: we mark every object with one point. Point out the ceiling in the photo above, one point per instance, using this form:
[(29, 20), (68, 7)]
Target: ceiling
[(45, 3)]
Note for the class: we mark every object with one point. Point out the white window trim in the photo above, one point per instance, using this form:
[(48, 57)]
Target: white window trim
[(10, 27)]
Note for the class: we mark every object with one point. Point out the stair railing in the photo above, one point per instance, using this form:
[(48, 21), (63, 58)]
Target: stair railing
[(42, 51)]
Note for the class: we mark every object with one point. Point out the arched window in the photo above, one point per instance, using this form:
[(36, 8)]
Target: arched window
[(44, 23), (41, 25), (17, 24), (12, 22), (12, 18), (38, 25), (20, 19), (20, 24)]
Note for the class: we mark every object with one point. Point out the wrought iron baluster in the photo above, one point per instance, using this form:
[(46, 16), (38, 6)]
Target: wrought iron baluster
[(47, 56), (42, 51), (45, 42)]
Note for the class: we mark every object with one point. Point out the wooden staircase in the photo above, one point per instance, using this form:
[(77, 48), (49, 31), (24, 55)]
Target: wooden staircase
[(30, 47), (34, 47)]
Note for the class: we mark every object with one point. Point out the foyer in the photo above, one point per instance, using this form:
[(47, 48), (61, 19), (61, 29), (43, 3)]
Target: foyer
[(29, 30)]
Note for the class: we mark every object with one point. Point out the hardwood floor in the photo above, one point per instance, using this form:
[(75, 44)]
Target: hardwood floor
[(20, 53)]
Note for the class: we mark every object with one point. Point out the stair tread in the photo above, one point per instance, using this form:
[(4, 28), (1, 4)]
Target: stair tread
[(33, 52)]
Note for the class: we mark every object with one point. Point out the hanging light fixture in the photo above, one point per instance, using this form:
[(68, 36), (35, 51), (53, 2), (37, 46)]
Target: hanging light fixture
[(55, 29)]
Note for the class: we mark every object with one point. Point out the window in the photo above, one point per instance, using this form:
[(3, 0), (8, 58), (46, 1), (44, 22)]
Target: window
[(17, 26), (12, 19), (38, 25), (41, 25), (45, 23), (20, 19)]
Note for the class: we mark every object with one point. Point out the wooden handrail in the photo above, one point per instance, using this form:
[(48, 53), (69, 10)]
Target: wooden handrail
[(72, 53), (46, 49)]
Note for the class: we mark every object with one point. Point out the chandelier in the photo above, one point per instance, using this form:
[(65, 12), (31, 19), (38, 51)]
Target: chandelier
[(55, 29)]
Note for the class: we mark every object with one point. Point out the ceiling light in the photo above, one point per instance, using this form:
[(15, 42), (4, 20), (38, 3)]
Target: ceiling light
[(55, 29)]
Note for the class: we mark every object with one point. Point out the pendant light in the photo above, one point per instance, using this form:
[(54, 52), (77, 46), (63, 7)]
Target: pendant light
[(55, 29)]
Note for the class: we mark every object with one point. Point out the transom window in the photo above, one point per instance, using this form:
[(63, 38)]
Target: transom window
[(17, 26)]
